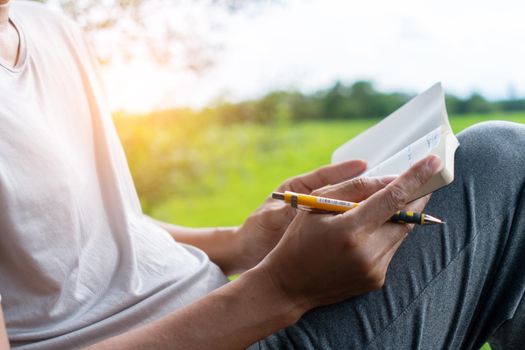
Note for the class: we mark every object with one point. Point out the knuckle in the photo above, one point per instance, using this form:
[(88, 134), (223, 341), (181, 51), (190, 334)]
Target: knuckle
[(272, 214), (420, 177), (353, 241), (266, 215), (282, 210), (396, 197), (360, 184)]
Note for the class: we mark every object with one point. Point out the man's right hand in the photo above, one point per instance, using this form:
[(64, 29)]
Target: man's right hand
[(323, 259)]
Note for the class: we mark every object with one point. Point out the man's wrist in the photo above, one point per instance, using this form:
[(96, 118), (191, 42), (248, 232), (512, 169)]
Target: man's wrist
[(291, 308), (231, 317), (271, 309)]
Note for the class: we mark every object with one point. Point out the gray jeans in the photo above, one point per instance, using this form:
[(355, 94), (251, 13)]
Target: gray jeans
[(450, 287)]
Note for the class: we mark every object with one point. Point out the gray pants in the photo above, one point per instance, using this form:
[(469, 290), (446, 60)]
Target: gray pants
[(450, 287)]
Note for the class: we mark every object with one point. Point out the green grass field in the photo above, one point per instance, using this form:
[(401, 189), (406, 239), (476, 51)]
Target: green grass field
[(252, 160)]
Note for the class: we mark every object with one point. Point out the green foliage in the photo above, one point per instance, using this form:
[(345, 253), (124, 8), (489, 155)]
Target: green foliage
[(478, 104), (169, 33), (359, 100)]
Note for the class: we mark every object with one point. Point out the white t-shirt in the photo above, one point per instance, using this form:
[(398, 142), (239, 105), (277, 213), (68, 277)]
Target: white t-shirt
[(79, 262)]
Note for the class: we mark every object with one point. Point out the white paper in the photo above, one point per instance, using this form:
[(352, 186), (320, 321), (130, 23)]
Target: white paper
[(418, 128), (409, 155), (416, 118)]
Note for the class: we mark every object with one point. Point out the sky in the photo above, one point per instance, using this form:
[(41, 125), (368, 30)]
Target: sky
[(404, 45)]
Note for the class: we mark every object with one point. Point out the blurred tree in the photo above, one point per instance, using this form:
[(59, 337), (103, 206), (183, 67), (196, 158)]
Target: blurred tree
[(305, 108), (334, 101), (363, 98), (360, 100), (455, 105), (515, 104), (177, 33), (476, 103)]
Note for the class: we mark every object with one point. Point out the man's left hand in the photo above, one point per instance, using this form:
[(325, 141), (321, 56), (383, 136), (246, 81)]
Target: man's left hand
[(261, 232)]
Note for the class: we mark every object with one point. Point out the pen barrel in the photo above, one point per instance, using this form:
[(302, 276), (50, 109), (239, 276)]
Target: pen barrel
[(322, 203), (408, 217)]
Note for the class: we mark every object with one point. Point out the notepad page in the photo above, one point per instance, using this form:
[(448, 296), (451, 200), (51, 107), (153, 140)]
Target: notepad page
[(404, 159)]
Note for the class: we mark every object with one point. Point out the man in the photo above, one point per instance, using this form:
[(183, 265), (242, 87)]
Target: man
[(81, 265)]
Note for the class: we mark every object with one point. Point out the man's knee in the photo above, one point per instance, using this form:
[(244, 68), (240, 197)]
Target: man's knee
[(491, 144)]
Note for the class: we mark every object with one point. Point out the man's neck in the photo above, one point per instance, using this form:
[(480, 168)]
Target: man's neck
[(4, 14), (9, 38)]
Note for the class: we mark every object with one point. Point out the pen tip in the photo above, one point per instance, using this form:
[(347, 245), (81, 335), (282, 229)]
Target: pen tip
[(431, 220)]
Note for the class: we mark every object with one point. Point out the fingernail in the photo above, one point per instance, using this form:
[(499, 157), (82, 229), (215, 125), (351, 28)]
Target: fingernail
[(362, 164), (434, 164)]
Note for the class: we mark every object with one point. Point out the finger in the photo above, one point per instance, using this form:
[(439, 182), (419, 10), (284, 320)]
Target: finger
[(355, 190), (329, 174), (401, 232), (276, 215), (377, 209), (390, 235)]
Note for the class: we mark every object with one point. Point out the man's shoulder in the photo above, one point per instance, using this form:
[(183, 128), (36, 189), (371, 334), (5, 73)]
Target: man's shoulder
[(42, 16), (35, 10)]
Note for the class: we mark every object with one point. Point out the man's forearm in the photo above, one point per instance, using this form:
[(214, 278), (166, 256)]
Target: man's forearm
[(4, 343), (232, 317), (218, 243)]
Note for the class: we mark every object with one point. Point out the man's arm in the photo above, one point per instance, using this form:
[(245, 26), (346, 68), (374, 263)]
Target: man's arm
[(321, 259), (4, 343), (237, 249), (219, 243), (232, 317)]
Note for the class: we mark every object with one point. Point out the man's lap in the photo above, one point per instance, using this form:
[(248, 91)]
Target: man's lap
[(449, 286)]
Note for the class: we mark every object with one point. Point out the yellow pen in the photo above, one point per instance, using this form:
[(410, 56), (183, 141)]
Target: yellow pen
[(329, 205)]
